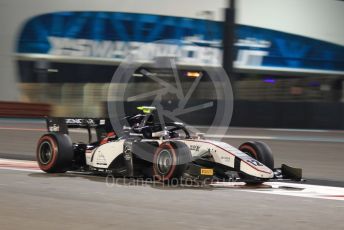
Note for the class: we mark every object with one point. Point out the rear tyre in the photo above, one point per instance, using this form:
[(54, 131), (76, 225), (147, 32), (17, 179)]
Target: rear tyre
[(54, 153), (261, 152), (170, 161)]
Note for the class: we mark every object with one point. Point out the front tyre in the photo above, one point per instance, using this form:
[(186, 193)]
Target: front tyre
[(54, 153), (170, 161), (259, 151)]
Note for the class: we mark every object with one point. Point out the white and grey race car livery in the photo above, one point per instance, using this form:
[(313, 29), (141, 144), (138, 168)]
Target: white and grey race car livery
[(146, 148)]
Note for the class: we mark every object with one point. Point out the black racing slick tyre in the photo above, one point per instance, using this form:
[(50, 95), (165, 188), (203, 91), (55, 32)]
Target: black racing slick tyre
[(259, 151), (54, 153), (170, 161)]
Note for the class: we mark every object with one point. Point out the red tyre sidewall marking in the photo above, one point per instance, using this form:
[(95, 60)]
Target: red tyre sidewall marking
[(169, 147), (54, 152), (250, 149)]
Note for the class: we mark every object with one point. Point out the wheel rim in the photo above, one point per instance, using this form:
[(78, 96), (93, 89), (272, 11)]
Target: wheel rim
[(45, 152), (164, 161)]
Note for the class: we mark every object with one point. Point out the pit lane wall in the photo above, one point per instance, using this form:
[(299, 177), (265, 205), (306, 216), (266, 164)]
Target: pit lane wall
[(24, 110), (66, 53), (68, 58)]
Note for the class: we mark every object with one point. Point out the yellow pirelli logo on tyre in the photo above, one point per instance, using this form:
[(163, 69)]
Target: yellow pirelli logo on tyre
[(207, 172)]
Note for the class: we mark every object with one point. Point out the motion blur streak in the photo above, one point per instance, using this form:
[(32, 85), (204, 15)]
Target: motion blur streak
[(318, 159)]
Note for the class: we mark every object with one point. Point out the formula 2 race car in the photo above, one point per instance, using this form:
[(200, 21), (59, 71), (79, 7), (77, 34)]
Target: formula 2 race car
[(165, 152)]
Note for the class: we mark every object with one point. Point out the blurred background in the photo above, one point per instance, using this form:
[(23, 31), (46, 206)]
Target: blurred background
[(285, 62), (285, 59)]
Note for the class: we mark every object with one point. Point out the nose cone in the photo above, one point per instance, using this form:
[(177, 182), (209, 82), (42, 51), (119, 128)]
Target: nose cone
[(256, 169)]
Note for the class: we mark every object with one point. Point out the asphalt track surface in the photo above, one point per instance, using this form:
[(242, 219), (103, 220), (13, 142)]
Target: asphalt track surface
[(35, 200)]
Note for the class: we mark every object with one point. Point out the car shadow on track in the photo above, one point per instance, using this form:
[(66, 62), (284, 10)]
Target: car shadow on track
[(111, 181)]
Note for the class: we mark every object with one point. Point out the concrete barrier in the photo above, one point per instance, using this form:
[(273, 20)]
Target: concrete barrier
[(267, 114)]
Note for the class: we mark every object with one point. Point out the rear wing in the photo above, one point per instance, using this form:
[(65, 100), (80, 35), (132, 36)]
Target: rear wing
[(102, 126)]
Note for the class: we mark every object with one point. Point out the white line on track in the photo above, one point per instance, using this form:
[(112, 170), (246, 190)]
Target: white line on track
[(273, 188), (39, 129), (290, 189), (21, 129), (20, 169), (305, 190), (279, 138), (273, 129), (259, 137), (19, 165)]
